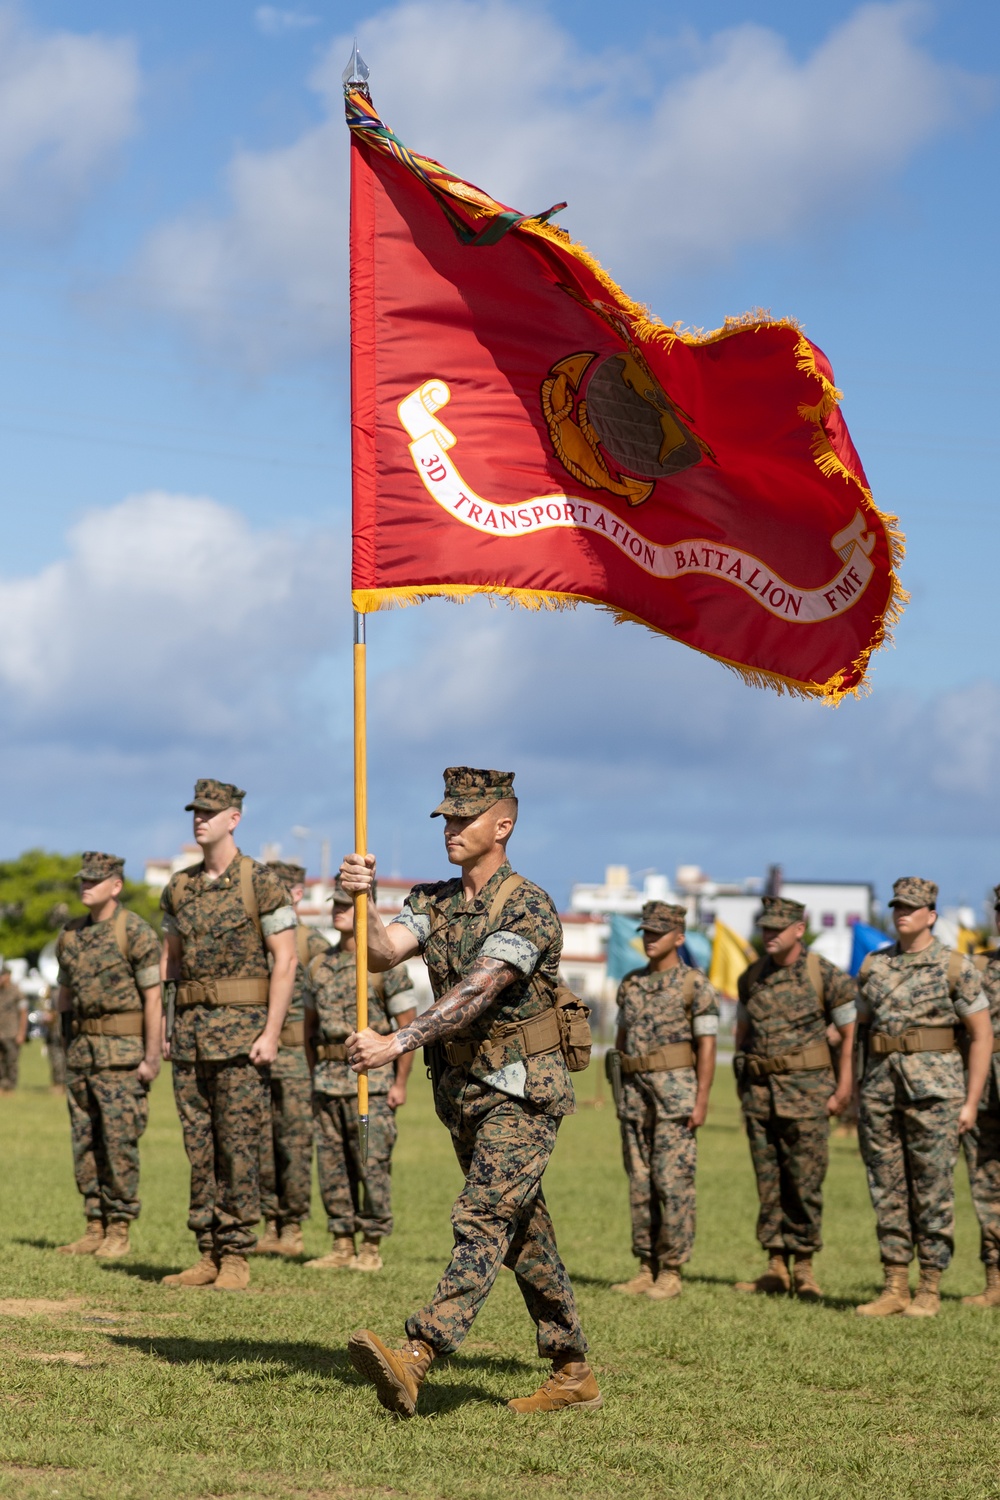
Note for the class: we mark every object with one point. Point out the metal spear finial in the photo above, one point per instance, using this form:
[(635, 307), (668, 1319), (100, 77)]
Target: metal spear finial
[(356, 73)]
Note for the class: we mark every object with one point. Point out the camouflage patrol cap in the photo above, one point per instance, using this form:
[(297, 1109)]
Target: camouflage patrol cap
[(912, 891), (469, 792), (96, 866), (289, 873), (779, 912), (213, 796), (661, 916), (341, 897)]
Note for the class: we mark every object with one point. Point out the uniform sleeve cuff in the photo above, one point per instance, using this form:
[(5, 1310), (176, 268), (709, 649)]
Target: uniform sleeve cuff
[(278, 921), (417, 923), (169, 925), (705, 1026), (148, 977), (512, 949), (843, 1015), (405, 1000), (972, 1008)]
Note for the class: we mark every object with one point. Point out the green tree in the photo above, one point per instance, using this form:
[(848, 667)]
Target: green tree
[(39, 893)]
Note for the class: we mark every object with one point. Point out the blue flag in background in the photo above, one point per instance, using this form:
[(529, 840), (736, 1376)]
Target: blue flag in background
[(625, 950), (866, 940)]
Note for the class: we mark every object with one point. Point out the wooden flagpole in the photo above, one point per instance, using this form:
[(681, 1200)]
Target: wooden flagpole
[(361, 846)]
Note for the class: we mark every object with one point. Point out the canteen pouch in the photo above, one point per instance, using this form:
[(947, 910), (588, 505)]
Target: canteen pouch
[(575, 1038)]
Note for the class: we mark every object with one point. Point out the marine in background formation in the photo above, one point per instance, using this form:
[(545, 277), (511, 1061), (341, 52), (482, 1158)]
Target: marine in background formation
[(229, 949), (981, 1142), (662, 1071), (492, 942), (357, 1195), (109, 992), (13, 1030), (286, 1144), (915, 1101), (788, 1091)]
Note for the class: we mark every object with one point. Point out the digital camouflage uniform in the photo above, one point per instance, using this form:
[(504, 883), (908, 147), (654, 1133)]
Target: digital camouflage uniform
[(357, 1196), (909, 1107), (785, 1112), (108, 1104), (286, 1143), (12, 1005), (503, 1111), (982, 1143), (220, 1095), (658, 1146)]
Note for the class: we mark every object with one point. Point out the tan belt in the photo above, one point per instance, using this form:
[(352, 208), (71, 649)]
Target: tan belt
[(222, 992), (124, 1023), (332, 1052), (293, 1034), (537, 1035), (917, 1039), (806, 1061), (661, 1059)]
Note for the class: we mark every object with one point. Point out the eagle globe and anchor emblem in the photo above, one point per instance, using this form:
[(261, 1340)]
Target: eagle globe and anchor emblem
[(612, 425)]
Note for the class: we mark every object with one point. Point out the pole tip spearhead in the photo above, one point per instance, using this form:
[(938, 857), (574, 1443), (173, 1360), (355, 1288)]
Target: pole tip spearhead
[(356, 73)]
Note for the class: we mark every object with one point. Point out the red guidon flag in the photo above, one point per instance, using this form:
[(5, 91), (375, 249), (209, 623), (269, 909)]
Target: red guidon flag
[(522, 428)]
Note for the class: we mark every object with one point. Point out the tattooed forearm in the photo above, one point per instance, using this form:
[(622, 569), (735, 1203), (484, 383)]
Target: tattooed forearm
[(466, 1000)]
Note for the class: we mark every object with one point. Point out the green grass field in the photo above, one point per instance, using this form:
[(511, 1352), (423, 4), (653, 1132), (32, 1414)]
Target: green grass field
[(123, 1388)]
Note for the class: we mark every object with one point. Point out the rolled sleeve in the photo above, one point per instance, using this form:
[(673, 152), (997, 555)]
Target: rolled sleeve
[(971, 1007), (147, 977), (844, 1015), (707, 1025), (419, 923), (396, 1005), (169, 925), (512, 949), (278, 921)]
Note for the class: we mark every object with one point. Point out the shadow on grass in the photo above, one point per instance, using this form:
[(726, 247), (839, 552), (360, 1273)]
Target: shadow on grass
[(36, 1244), (139, 1270)]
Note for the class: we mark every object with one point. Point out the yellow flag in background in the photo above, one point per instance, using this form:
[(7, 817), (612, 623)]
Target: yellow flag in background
[(730, 956), (968, 942)]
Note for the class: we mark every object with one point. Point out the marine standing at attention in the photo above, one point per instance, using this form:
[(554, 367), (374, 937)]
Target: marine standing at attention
[(914, 1100), (286, 1142), (981, 1142), (668, 1019), (13, 1030), (491, 941), (109, 986), (788, 1091), (223, 920), (357, 1195)]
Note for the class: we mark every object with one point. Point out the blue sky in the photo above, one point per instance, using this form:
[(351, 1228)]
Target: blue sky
[(173, 422)]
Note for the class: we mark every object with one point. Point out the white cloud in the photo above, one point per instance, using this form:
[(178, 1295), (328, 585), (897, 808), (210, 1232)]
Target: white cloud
[(67, 104), (169, 619), (272, 21), (748, 145)]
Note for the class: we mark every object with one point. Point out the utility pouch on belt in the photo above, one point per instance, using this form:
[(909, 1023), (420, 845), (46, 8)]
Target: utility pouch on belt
[(917, 1039), (331, 1052), (222, 992), (613, 1072), (660, 1060), (293, 1034), (806, 1060)]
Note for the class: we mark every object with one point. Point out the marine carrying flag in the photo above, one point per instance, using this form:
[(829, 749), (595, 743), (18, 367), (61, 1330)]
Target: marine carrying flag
[(523, 428)]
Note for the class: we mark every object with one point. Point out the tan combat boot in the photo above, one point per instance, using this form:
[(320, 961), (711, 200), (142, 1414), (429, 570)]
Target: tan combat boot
[(368, 1257), (894, 1296), (774, 1282), (234, 1273), (927, 1299), (396, 1374), (804, 1280), (202, 1273), (269, 1242), (990, 1297), (337, 1259), (90, 1242), (115, 1243), (291, 1242), (641, 1282), (666, 1285), (571, 1384)]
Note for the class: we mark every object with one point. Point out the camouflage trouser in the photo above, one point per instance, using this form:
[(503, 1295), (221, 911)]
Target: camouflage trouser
[(57, 1059), (357, 1198), (909, 1150), (10, 1056), (221, 1107), (107, 1114), (660, 1153), (286, 1148), (982, 1155), (790, 1160), (500, 1219)]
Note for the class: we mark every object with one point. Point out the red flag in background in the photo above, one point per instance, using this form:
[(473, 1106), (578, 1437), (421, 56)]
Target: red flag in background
[(522, 428)]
